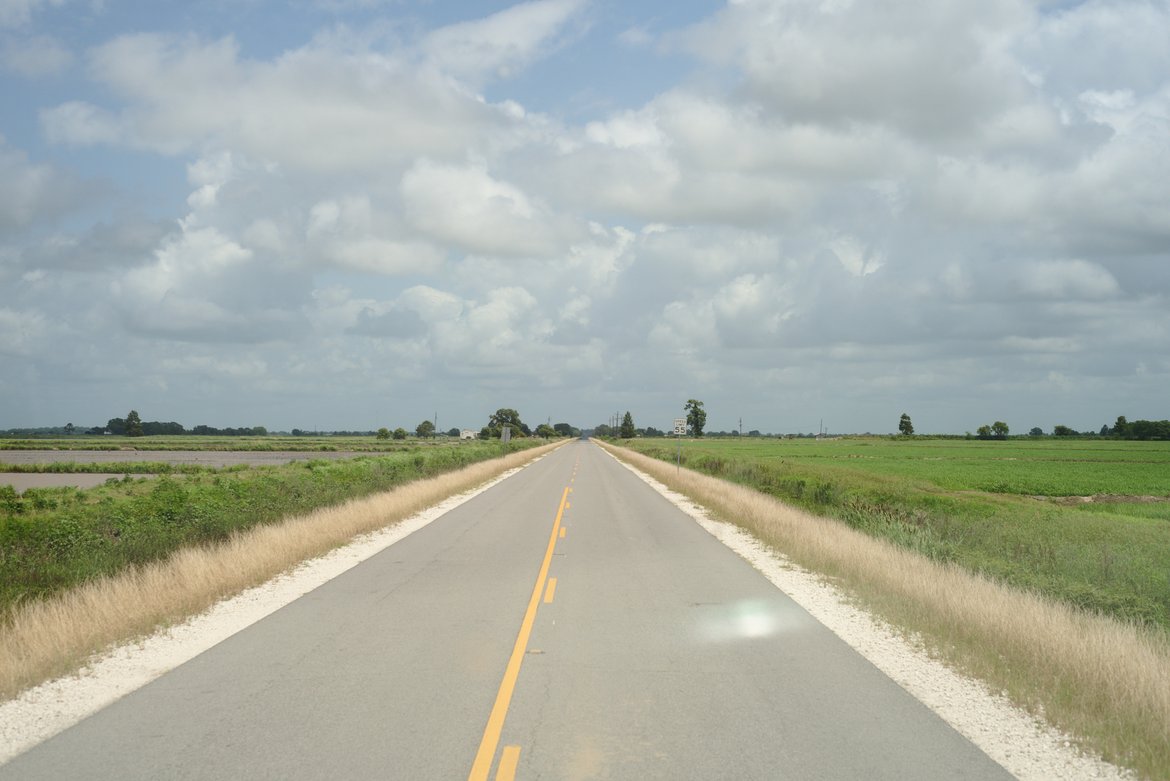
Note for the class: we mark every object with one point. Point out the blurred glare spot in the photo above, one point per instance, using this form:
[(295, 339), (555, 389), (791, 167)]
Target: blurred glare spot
[(747, 619)]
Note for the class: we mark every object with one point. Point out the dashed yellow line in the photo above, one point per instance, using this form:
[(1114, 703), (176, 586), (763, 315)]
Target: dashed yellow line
[(550, 591), (508, 761), (495, 724)]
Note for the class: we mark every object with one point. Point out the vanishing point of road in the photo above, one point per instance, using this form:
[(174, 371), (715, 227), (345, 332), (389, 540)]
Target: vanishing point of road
[(567, 623)]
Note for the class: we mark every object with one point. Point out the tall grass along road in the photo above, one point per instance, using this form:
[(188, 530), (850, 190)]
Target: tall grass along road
[(566, 623)]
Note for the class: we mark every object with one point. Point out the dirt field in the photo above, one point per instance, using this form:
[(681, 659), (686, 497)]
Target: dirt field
[(21, 482), (213, 458)]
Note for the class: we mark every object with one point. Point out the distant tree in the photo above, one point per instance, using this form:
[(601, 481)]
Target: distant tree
[(603, 430), (116, 426), (69, 428), (627, 429), (259, 431), (984, 432), (1000, 429), (383, 433), (1121, 427), (1063, 431), (696, 416), (546, 431), (905, 426), (1148, 429), (154, 428), (1104, 432), (133, 424), (425, 429), (650, 431), (506, 416), (399, 433), (564, 429), (754, 433), (1036, 432), (453, 432)]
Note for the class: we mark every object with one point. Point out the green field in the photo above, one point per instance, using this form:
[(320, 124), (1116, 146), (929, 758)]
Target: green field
[(1084, 521)]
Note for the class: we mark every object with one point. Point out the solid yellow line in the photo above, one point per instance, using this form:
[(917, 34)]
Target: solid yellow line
[(495, 724), (552, 589), (508, 761)]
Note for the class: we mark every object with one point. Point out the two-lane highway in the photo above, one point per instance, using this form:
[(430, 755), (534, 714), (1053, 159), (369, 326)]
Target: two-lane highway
[(567, 623)]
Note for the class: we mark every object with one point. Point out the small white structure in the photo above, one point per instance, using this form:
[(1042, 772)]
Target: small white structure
[(467, 433)]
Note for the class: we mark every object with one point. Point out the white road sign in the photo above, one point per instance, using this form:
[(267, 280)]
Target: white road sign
[(680, 427)]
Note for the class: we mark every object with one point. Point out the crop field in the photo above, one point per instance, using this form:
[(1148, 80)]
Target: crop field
[(1083, 521)]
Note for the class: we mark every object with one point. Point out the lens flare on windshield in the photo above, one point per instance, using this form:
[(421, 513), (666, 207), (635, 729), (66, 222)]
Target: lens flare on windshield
[(743, 620)]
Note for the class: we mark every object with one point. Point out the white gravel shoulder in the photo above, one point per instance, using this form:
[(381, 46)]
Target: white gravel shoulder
[(45, 710), (1025, 746)]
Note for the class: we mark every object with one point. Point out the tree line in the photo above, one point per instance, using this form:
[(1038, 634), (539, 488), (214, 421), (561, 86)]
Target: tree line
[(134, 426), (1123, 429)]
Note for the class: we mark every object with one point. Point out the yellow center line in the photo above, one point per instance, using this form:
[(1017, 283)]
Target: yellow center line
[(562, 532), (495, 724), (550, 591), (508, 761)]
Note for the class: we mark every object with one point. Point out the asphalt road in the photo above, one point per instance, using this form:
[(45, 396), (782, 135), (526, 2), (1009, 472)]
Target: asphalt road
[(633, 646)]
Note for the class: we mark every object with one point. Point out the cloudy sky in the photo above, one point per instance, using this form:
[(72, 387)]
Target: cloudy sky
[(343, 214)]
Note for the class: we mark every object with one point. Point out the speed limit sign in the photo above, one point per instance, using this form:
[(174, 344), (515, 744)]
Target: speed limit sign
[(680, 427)]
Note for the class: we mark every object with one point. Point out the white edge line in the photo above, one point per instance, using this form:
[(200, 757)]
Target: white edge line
[(49, 708)]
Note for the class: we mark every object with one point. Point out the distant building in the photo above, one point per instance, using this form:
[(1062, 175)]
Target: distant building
[(467, 433)]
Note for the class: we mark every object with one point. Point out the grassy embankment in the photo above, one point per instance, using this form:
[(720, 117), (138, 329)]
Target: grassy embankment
[(82, 569), (1064, 606)]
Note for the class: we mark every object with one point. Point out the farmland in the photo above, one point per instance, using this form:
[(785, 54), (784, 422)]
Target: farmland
[(1086, 522), (52, 539)]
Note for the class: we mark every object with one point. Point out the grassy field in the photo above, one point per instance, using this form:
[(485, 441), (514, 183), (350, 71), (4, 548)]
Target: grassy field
[(1084, 522), (53, 539)]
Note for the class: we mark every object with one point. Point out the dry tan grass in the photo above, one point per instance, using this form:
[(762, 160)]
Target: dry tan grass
[(1102, 680), (55, 636)]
